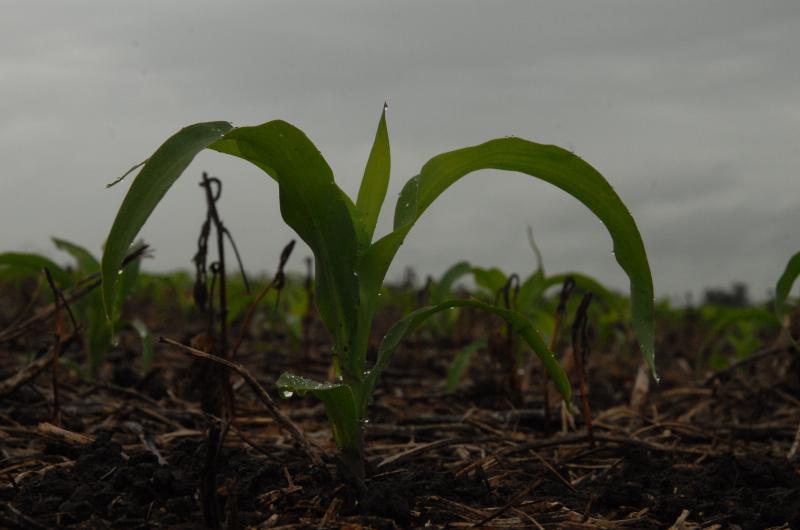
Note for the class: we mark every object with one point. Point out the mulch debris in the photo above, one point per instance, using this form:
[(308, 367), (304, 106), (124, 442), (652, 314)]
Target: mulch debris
[(130, 452)]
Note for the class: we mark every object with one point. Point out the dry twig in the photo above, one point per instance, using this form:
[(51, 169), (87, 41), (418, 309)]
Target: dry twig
[(281, 419)]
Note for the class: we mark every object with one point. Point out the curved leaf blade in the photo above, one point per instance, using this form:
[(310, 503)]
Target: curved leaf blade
[(441, 289), (157, 175), (35, 263), (319, 211), (565, 171), (491, 279), (339, 405), (376, 178), (87, 264), (784, 285)]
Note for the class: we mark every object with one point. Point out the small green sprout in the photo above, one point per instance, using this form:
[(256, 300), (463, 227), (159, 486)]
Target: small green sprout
[(351, 263)]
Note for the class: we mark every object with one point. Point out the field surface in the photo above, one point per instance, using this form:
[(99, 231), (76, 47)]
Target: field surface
[(704, 448)]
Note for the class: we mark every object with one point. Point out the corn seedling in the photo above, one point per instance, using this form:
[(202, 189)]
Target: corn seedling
[(730, 328), (350, 264), (529, 298), (95, 332)]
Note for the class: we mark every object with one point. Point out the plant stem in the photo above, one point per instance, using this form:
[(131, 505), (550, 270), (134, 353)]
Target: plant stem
[(353, 460), (222, 343), (566, 290), (580, 351)]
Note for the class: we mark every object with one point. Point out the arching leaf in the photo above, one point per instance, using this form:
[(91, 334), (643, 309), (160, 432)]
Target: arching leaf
[(784, 285), (33, 264), (441, 290), (317, 209), (151, 184), (87, 264), (551, 164), (339, 403)]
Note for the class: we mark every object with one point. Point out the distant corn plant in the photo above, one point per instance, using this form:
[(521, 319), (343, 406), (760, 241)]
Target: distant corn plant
[(96, 334), (351, 264), (528, 298)]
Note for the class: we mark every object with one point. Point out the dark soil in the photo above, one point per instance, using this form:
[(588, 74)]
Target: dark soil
[(132, 451)]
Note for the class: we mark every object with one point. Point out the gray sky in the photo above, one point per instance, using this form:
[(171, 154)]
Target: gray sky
[(690, 109)]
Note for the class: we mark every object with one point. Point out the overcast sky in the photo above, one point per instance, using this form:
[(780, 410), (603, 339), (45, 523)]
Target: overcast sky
[(691, 109)]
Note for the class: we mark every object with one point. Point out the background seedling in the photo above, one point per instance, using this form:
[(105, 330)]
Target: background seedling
[(531, 298), (351, 265), (95, 331)]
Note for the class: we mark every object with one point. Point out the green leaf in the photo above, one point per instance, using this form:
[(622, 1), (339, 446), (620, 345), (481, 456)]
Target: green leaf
[(531, 291), (98, 333), (317, 209), (518, 321), (493, 279), (376, 179), (558, 167), (33, 264), (441, 290), (87, 264), (158, 174), (784, 285), (726, 318), (148, 350), (460, 364), (339, 406)]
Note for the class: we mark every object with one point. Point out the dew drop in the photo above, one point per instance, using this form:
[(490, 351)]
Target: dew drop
[(119, 272), (286, 394)]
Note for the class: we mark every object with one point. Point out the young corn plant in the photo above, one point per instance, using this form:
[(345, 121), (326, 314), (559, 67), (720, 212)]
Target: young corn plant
[(350, 263), (96, 334)]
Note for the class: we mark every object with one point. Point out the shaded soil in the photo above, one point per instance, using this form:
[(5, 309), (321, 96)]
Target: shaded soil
[(132, 451)]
